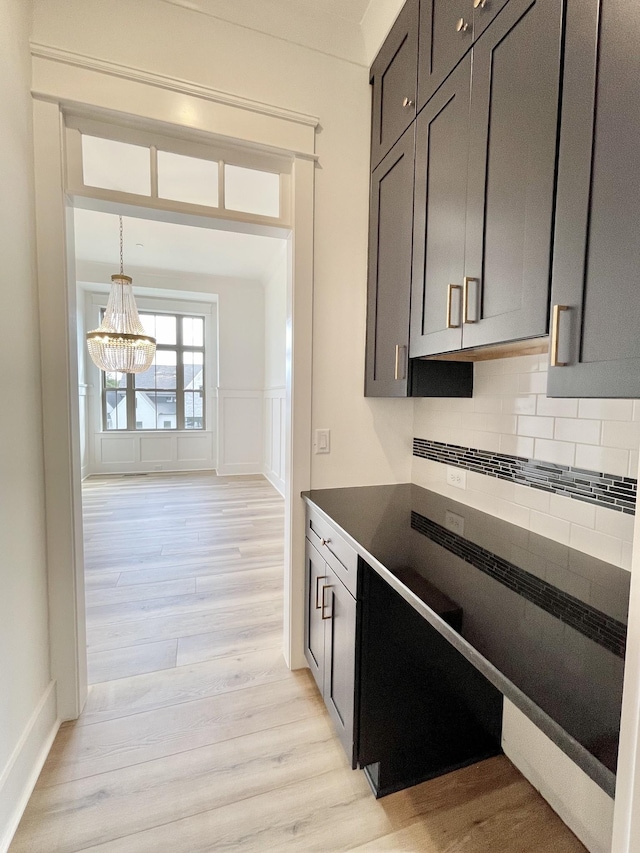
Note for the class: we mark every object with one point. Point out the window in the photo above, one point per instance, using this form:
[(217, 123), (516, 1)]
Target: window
[(168, 396)]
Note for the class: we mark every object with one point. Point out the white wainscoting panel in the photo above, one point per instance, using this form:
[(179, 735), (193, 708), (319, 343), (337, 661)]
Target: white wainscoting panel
[(133, 453), (240, 431), (274, 436)]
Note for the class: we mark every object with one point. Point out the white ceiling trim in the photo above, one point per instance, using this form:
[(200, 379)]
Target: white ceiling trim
[(172, 84)]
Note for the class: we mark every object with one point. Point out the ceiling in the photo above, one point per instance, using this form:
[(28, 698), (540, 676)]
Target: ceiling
[(153, 245), (349, 10)]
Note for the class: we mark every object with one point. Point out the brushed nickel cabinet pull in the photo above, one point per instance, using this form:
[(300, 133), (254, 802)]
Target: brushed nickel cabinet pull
[(462, 26), (465, 310), (450, 324), (325, 541), (408, 102), (323, 604), (479, 4), (555, 336), (319, 578), (400, 361)]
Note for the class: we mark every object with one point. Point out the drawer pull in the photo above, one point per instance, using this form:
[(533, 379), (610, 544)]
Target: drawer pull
[(325, 541), (319, 578), (555, 336), (408, 102), (479, 4), (450, 323), (328, 586), (462, 26)]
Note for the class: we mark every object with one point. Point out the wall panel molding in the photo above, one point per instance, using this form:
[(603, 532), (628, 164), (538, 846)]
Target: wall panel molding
[(275, 400)]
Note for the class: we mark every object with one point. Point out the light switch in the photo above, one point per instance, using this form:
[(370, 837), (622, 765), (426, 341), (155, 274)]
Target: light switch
[(322, 443)]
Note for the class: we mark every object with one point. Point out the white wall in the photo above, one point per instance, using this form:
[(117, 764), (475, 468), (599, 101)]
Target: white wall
[(27, 707), (370, 438)]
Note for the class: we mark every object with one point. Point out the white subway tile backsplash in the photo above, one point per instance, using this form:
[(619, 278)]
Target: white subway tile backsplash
[(621, 434), (535, 426), (550, 526), (606, 459), (517, 445), (525, 405), (599, 545), (611, 410), (561, 452), (557, 407), (583, 431), (511, 414)]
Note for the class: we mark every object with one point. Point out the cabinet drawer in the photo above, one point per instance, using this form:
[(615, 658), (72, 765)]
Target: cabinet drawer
[(333, 548)]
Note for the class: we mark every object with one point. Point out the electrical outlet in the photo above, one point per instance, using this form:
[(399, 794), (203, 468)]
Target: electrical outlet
[(454, 522), (322, 444), (456, 477)]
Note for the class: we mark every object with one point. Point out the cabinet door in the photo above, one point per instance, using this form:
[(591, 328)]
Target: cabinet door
[(597, 252), (314, 643), (340, 657), (442, 149), (484, 11), (394, 78), (389, 283), (446, 34), (513, 143)]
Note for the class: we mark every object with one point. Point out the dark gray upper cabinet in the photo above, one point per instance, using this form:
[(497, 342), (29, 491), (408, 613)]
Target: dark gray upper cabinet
[(511, 178), (448, 29), (394, 78), (442, 153), (596, 263), (388, 294), (485, 182)]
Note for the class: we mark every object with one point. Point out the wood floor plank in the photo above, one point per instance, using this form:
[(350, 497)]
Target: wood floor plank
[(197, 568), (82, 751), (104, 580), (131, 660), (183, 684), (141, 592), (223, 642)]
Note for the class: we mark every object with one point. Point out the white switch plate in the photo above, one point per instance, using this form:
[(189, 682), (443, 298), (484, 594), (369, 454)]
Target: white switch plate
[(454, 522), (456, 477), (322, 443)]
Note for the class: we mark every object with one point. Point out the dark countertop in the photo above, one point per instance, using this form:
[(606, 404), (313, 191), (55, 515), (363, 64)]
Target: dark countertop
[(546, 624)]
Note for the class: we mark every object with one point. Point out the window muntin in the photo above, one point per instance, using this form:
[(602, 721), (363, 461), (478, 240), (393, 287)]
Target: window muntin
[(168, 396)]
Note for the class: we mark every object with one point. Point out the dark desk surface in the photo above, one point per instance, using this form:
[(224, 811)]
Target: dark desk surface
[(545, 623)]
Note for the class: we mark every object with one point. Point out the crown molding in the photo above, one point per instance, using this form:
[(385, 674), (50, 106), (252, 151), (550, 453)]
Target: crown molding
[(172, 84)]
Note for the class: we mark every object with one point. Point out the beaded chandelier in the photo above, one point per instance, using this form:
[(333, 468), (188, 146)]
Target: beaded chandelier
[(119, 344)]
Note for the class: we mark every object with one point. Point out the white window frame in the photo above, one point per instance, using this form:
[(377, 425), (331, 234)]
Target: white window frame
[(247, 158)]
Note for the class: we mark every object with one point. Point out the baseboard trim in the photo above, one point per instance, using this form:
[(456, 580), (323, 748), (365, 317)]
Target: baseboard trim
[(276, 482), (19, 777)]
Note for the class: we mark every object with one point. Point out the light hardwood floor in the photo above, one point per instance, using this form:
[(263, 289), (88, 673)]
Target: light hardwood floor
[(196, 737)]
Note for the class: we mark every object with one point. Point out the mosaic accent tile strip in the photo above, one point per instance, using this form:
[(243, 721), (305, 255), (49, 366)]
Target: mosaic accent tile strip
[(606, 490), (597, 626)]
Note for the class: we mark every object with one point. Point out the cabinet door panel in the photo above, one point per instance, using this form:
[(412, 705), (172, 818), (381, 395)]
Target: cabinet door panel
[(442, 148), (514, 122), (394, 78), (340, 654), (314, 644), (484, 13), (442, 42), (597, 254), (389, 282)]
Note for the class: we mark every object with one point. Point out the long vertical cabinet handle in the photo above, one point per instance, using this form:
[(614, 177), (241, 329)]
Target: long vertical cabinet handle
[(318, 579), (465, 299), (401, 358), (555, 336), (328, 586), (450, 324)]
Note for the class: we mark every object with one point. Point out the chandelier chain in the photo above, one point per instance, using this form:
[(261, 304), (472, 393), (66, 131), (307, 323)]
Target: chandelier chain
[(121, 252)]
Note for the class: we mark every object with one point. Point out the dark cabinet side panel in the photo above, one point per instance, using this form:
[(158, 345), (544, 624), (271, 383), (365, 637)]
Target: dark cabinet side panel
[(514, 124), (597, 253), (389, 278), (394, 78), (442, 150)]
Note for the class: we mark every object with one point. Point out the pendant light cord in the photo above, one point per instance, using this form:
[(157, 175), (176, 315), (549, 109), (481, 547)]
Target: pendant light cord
[(121, 253)]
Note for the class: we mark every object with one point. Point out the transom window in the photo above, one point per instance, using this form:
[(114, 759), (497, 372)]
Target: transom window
[(168, 396)]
